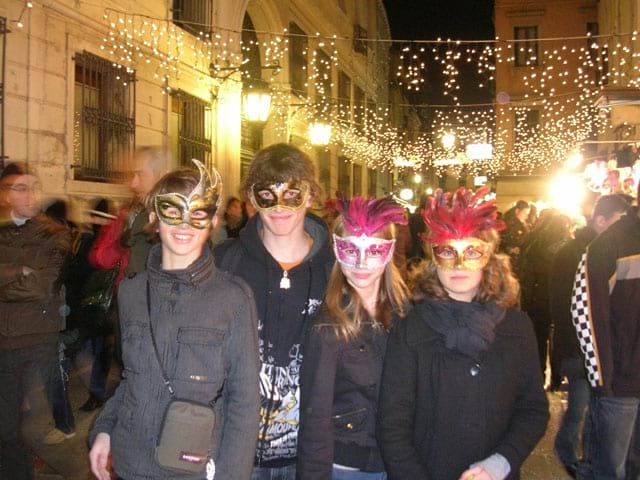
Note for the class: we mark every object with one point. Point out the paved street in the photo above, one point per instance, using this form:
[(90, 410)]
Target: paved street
[(68, 460)]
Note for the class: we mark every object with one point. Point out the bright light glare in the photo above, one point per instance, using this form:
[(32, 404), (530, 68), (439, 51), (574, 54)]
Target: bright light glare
[(406, 194), (479, 151), (566, 193), (574, 160), (417, 178), (319, 133), (429, 191), (448, 141)]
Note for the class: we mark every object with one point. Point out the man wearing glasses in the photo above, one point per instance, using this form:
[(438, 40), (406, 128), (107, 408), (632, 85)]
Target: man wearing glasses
[(33, 251)]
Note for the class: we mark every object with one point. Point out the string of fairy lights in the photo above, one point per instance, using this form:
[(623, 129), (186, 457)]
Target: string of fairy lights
[(531, 129)]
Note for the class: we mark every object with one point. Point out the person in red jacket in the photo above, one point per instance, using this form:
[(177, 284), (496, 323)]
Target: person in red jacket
[(124, 245)]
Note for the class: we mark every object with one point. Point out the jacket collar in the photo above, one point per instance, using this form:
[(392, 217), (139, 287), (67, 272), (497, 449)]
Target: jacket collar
[(194, 274)]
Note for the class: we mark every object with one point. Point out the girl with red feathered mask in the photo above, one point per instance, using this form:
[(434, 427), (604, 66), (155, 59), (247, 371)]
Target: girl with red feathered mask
[(345, 349), (462, 395)]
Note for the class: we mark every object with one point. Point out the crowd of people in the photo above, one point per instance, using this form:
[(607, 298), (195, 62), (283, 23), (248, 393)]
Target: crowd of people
[(257, 340)]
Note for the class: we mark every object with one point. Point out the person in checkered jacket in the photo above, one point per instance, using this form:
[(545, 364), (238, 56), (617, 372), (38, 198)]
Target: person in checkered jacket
[(606, 314), (566, 356)]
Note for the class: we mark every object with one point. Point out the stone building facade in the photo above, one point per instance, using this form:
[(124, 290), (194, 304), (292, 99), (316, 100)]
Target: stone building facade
[(73, 114)]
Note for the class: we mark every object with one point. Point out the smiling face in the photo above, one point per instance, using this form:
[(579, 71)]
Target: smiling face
[(282, 206), (182, 244)]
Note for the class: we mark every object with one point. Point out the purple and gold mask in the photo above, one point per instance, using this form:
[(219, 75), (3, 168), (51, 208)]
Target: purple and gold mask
[(291, 195), (466, 254), (363, 252), (196, 209)]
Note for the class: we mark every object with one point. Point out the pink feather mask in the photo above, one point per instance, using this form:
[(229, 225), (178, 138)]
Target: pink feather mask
[(362, 218)]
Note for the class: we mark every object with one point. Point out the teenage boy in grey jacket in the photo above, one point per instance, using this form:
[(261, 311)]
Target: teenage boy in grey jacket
[(206, 346)]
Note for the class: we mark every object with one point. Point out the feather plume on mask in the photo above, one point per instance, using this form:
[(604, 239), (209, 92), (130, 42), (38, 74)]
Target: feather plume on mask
[(366, 216), (461, 215)]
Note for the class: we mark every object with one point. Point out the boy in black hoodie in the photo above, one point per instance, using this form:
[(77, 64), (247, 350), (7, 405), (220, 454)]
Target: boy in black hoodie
[(285, 255)]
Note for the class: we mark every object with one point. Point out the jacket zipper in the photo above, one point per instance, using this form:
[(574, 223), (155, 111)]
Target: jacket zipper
[(348, 414)]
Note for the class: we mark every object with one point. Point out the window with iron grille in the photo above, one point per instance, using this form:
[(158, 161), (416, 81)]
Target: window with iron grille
[(344, 96), (358, 106), (191, 128), (359, 39), (526, 50), (344, 170), (104, 118), (194, 16), (357, 179), (298, 74)]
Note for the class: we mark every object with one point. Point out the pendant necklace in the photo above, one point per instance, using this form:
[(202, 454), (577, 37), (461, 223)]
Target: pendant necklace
[(285, 283)]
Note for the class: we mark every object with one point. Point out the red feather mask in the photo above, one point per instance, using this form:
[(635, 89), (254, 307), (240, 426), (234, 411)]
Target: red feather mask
[(461, 215), (366, 216)]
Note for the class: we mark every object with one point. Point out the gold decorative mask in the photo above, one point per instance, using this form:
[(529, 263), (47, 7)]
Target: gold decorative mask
[(269, 195), (198, 208), (466, 254)]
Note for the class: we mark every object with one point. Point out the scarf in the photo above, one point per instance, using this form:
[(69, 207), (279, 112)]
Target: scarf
[(467, 327)]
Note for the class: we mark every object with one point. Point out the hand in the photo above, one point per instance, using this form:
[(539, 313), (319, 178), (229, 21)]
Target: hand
[(99, 456), (475, 473)]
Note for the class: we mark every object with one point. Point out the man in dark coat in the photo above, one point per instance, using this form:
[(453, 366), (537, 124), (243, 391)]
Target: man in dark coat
[(513, 237), (33, 251)]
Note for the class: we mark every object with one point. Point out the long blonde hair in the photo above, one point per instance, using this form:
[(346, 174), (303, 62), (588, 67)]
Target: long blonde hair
[(347, 320)]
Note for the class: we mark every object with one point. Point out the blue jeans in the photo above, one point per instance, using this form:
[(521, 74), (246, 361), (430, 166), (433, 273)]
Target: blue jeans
[(59, 396), (614, 441), (281, 473), (102, 353), (572, 421), (342, 474)]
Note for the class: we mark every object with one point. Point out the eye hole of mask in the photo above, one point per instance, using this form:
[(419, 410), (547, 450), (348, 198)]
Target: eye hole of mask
[(266, 195), (170, 210)]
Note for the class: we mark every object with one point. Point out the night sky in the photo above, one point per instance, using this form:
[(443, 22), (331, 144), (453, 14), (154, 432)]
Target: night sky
[(455, 19)]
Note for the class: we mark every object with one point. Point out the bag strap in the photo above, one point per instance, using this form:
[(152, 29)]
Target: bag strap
[(165, 377)]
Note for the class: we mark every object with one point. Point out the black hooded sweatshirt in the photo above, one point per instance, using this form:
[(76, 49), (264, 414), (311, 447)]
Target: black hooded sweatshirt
[(284, 318)]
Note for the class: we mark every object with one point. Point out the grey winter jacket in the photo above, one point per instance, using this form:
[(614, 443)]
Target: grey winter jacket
[(205, 326)]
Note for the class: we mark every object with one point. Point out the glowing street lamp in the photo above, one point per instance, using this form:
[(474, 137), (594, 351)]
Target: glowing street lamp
[(256, 104), (406, 194), (319, 134), (429, 191), (448, 141), (417, 178)]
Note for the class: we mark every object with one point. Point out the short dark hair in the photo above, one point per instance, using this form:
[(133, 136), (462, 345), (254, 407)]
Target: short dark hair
[(281, 162), (521, 205), (15, 169), (608, 205)]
